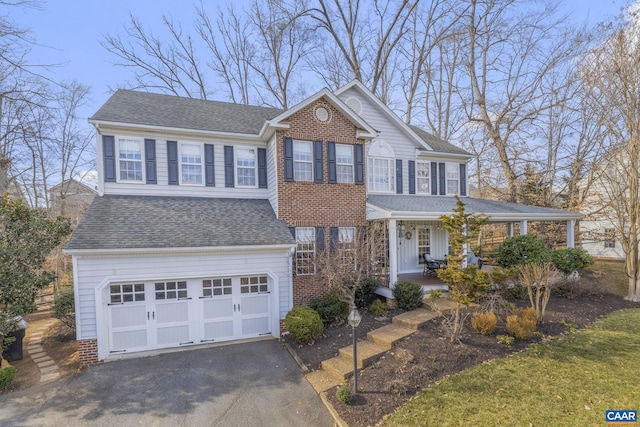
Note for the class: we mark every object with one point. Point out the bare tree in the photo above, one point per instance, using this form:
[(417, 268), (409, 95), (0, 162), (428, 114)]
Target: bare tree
[(510, 59), (365, 38), (612, 74)]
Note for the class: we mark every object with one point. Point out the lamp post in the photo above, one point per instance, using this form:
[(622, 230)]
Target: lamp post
[(354, 321)]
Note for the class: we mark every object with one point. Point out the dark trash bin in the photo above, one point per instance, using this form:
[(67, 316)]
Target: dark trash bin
[(14, 350)]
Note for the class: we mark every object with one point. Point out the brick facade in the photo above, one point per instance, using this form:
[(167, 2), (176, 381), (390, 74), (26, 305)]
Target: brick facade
[(310, 204), (88, 352)]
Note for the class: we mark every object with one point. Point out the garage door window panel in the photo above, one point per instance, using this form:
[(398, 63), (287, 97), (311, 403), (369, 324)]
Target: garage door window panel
[(216, 287), (171, 290), (126, 293), (254, 284)]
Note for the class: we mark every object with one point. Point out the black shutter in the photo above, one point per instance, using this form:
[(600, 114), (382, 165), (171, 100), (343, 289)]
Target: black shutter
[(150, 160), (172, 162), (320, 238), (334, 237), (359, 157), (443, 179), (412, 177), (288, 159), (209, 169), (109, 154), (399, 176), (262, 167), (434, 179), (463, 179), (318, 169), (228, 166), (331, 163)]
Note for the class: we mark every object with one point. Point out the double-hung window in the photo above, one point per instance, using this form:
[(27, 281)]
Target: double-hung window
[(381, 175), (453, 178), (346, 244), (191, 163), (130, 159), (609, 238), (423, 178), (344, 163), (246, 167), (302, 161), (305, 250)]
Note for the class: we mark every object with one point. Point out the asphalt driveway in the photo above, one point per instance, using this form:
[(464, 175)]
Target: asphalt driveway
[(249, 384)]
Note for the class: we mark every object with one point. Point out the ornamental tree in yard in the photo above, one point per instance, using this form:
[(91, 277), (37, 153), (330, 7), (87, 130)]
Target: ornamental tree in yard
[(466, 283), (27, 237)]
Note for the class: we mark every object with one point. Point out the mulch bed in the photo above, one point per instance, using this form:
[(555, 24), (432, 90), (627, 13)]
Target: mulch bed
[(427, 356)]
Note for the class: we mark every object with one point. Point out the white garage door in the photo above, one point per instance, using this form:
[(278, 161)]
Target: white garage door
[(164, 314)]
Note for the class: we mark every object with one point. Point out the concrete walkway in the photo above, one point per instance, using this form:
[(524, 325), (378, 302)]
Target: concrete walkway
[(34, 349), (337, 369)]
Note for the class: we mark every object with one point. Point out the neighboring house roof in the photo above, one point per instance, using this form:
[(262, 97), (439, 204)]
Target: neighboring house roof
[(438, 144), (91, 187), (431, 207), (169, 111), (156, 222)]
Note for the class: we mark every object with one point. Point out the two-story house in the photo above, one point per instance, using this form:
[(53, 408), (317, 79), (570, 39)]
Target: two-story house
[(211, 216)]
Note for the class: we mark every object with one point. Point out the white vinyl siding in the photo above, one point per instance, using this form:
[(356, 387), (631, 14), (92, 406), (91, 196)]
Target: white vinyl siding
[(423, 177), (344, 163), (130, 165), (191, 164), (381, 175), (409, 250), (162, 188), (302, 161)]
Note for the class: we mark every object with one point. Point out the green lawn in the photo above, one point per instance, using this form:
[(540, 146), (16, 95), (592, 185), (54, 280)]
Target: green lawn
[(569, 381)]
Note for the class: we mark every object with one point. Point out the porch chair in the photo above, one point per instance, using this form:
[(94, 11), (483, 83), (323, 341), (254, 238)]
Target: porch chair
[(430, 265)]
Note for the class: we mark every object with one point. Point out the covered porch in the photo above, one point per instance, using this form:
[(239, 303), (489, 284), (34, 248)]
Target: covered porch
[(414, 228)]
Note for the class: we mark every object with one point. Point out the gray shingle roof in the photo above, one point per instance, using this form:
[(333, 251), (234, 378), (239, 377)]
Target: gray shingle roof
[(144, 108), (128, 222), (438, 205), (436, 143)]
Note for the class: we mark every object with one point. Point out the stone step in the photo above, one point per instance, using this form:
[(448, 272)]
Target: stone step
[(367, 352), (415, 318), (322, 381), (338, 367), (388, 335)]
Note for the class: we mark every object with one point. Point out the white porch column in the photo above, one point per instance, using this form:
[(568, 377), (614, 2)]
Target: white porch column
[(510, 230), (571, 227), (523, 227), (393, 253)]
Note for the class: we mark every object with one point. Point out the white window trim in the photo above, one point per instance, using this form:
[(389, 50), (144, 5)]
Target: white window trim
[(351, 164), (418, 245), (142, 159), (235, 165), (428, 164), (202, 168), (310, 143), (392, 175), (313, 250), (446, 178)]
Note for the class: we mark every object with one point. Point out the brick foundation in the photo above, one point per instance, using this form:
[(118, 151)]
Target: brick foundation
[(88, 353)]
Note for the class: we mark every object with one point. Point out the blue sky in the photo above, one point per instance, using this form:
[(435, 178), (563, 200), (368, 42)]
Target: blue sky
[(69, 33)]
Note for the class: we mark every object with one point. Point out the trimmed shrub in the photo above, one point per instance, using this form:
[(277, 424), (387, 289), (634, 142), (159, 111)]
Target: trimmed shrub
[(366, 293), (571, 259), (6, 377), (64, 308), (522, 324), (518, 291), (484, 323), (344, 394), (304, 325), (523, 249), (330, 308), (378, 308), (408, 295)]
